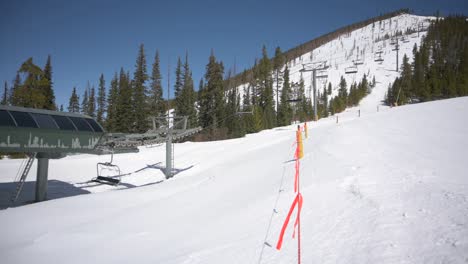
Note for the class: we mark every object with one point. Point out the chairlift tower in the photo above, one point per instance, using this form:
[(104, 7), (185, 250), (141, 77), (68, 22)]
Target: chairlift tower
[(171, 128), (314, 67)]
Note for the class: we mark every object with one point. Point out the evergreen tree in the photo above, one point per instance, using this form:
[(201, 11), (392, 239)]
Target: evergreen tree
[(265, 90), (125, 121), (304, 105), (363, 88), (191, 95), (14, 94), (178, 85), (5, 95), (112, 103), (284, 109), (325, 102), (342, 99), (74, 102), (48, 90), (85, 101), (31, 92), (185, 100), (404, 88), (61, 108), (101, 100), (140, 109), (156, 101), (92, 103), (212, 104), (203, 105), (329, 90)]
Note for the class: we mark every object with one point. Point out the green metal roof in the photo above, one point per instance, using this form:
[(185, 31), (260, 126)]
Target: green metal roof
[(37, 130)]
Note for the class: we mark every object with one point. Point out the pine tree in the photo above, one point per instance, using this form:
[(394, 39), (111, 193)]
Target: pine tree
[(101, 100), (302, 112), (92, 103), (285, 110), (125, 121), (30, 93), (212, 112), (48, 90), (329, 90), (85, 101), (203, 105), (342, 100), (140, 108), (156, 101), (61, 108), (361, 90), (265, 90), (325, 102), (5, 95), (112, 102), (405, 90), (14, 100), (178, 85), (186, 98), (74, 102)]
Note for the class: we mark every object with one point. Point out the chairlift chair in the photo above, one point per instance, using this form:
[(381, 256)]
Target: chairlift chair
[(378, 57), (322, 74), (351, 69), (114, 170), (358, 62)]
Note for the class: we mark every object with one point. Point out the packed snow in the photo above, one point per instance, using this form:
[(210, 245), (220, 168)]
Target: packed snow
[(389, 186)]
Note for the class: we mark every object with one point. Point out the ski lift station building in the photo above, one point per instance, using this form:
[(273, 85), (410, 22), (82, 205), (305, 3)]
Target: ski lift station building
[(43, 131), (46, 135)]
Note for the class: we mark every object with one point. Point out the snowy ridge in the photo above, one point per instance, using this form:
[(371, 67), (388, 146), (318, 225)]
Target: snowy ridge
[(361, 46)]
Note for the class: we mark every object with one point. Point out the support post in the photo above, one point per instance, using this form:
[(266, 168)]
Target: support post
[(169, 156), (314, 83), (41, 179)]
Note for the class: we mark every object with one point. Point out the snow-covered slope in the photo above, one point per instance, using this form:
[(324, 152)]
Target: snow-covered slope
[(364, 47), (388, 187)]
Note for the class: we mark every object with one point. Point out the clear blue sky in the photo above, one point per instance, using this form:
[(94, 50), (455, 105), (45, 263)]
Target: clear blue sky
[(88, 37)]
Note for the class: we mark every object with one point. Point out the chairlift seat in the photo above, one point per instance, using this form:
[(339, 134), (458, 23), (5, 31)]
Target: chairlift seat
[(352, 69), (111, 180), (106, 180)]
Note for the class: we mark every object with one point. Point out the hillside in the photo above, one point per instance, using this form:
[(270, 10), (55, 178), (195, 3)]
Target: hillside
[(370, 50), (389, 187)]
